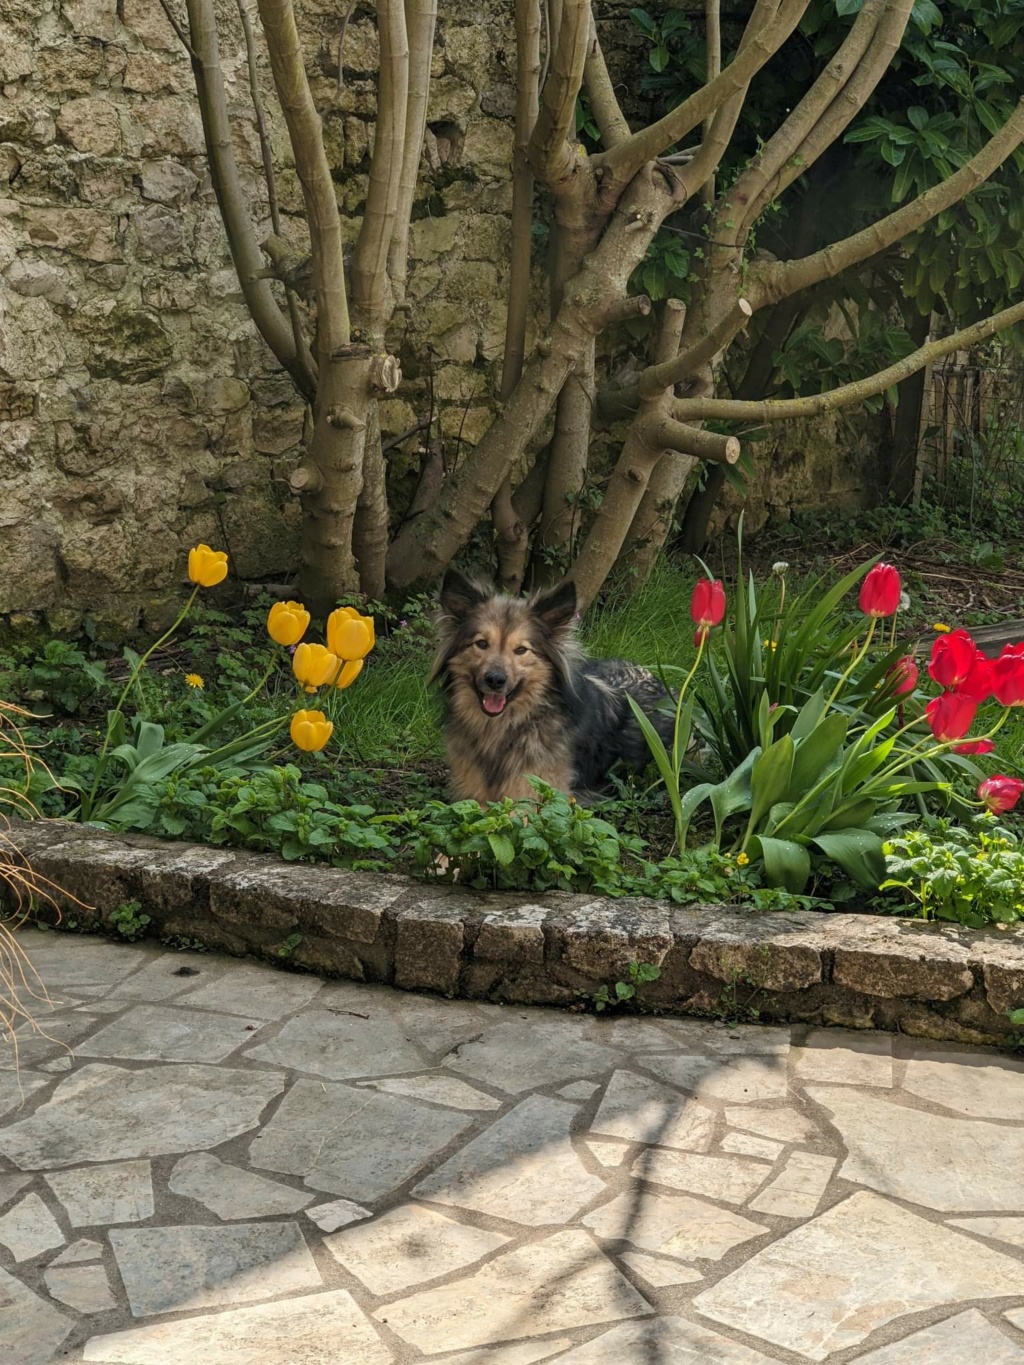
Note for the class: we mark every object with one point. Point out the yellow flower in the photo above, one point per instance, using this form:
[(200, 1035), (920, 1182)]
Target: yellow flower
[(742, 860), (313, 665), (941, 627), (349, 673), (194, 680), (349, 635), (207, 567), (287, 622), (310, 730), (768, 644)]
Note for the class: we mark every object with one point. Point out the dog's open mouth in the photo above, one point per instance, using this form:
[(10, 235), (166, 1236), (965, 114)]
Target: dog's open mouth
[(495, 702)]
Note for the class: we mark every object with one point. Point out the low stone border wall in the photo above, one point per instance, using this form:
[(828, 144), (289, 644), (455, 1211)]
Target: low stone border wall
[(858, 971)]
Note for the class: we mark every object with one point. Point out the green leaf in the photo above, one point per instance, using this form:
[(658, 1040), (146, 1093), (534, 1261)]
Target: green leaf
[(815, 753), (917, 116), (786, 863), (770, 778), (1017, 1017), (858, 852)]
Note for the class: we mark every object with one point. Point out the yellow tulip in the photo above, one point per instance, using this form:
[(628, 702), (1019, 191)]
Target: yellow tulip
[(310, 730), (313, 665), (349, 635), (287, 622), (207, 567), (349, 673)]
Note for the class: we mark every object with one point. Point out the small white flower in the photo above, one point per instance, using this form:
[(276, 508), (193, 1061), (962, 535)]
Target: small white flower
[(904, 601), (780, 568)]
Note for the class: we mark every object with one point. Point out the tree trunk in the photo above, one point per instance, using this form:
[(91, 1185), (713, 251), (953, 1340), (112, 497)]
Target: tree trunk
[(370, 532), (566, 473)]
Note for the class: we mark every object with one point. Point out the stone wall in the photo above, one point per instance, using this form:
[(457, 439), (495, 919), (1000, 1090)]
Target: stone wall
[(139, 409)]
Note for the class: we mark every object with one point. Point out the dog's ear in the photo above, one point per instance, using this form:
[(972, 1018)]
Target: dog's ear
[(460, 595), (556, 607)]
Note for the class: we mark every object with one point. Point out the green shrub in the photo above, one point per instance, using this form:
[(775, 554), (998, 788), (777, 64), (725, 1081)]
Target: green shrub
[(974, 876)]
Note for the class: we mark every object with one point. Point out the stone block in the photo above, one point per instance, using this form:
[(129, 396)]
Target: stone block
[(932, 970), (428, 944), (600, 939), (774, 952), (515, 935), (157, 231), (287, 898), (167, 182), (94, 18), (170, 127), (149, 23), (89, 233), (90, 125)]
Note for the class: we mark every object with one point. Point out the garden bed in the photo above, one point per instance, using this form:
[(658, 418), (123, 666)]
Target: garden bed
[(853, 970)]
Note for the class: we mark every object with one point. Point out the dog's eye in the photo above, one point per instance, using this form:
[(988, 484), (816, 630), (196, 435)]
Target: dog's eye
[(481, 644), (521, 649)]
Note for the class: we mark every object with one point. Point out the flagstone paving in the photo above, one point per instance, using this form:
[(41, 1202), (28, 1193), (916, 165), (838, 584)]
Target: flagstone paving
[(206, 1160)]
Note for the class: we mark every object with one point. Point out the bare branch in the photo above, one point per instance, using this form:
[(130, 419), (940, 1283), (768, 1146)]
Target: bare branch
[(306, 134), (294, 315), (689, 440), (245, 253), (667, 373), (553, 153), (340, 85), (604, 104), (420, 20), (370, 282), (713, 68), (783, 409), (828, 108), (182, 36), (621, 163), (512, 533), (785, 278), (527, 71)]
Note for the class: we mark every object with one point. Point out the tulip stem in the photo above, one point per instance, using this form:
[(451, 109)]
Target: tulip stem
[(676, 757), (132, 679), (262, 682), (857, 657)]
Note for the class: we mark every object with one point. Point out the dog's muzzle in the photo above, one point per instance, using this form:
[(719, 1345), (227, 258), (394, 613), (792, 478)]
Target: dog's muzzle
[(494, 703)]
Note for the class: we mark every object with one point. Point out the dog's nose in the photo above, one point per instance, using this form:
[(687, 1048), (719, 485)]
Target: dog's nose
[(495, 680)]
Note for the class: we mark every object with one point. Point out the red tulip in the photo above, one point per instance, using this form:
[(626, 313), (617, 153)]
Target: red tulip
[(953, 656), (975, 746), (903, 676), (978, 683), (950, 715), (707, 606), (1008, 676), (880, 591), (1000, 794)]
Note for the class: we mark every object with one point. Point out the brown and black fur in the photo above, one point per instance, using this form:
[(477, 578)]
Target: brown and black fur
[(564, 718)]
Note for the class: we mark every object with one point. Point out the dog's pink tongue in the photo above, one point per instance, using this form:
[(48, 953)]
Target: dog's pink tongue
[(494, 705)]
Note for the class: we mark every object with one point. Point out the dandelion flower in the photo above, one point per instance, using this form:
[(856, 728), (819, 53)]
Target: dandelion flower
[(194, 680)]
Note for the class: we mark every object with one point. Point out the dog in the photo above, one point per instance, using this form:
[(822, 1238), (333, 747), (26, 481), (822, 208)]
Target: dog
[(521, 700)]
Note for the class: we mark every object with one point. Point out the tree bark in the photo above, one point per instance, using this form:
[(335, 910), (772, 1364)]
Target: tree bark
[(420, 23)]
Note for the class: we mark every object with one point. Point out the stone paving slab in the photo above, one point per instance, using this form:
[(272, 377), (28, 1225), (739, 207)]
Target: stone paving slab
[(937, 981), (502, 1185)]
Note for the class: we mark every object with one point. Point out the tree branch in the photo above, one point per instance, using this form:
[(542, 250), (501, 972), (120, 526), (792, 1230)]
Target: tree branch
[(621, 163), (370, 282), (512, 533), (668, 434), (552, 150), (828, 108), (784, 409), (604, 104), (713, 68), (295, 317), (245, 253), (784, 278), (306, 135), (420, 22), (667, 373)]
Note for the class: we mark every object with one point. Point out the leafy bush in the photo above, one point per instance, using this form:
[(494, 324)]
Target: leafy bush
[(61, 676), (973, 875), (553, 844)]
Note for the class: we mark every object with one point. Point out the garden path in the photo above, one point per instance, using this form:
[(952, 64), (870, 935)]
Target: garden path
[(243, 1166)]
